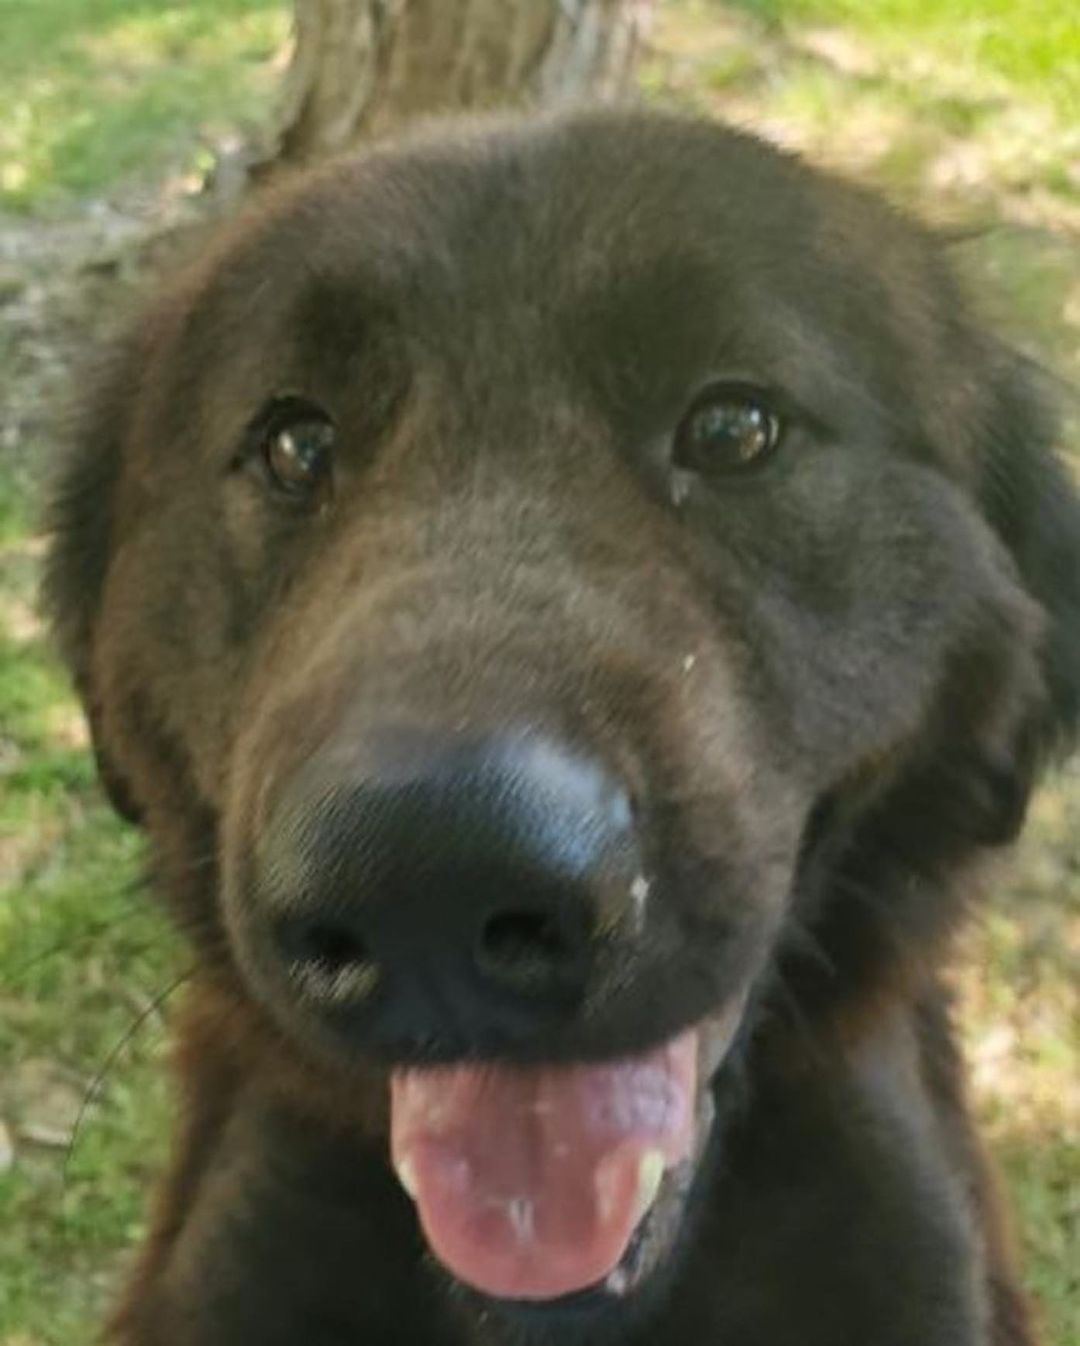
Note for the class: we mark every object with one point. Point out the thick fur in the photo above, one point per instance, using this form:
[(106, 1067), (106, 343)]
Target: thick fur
[(836, 680)]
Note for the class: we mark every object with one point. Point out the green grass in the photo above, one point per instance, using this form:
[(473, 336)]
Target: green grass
[(95, 90), (74, 927), (73, 931), (1024, 47), (969, 110)]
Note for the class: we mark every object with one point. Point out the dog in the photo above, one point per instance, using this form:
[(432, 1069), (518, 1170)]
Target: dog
[(571, 603)]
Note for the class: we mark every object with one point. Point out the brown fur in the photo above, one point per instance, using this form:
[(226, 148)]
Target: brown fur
[(833, 681)]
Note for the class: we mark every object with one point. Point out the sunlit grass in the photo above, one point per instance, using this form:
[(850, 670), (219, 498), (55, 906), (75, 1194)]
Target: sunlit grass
[(97, 89), (1028, 48), (79, 951), (82, 949)]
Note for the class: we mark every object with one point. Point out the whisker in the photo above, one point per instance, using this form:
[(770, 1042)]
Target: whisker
[(805, 939), (93, 1093), (793, 1008)]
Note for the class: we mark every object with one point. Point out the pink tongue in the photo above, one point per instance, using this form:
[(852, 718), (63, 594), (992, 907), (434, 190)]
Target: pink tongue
[(526, 1180)]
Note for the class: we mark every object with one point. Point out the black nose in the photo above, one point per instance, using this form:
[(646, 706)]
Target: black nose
[(450, 890)]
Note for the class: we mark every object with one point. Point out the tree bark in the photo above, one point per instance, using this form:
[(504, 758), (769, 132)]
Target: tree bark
[(360, 68)]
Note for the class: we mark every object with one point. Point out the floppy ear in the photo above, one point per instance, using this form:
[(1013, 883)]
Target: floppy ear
[(79, 520), (1031, 499)]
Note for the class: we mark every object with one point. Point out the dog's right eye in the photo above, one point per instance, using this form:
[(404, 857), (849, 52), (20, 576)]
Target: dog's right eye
[(296, 441), (730, 428)]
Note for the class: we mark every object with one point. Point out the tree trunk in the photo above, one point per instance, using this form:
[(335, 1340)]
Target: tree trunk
[(361, 67)]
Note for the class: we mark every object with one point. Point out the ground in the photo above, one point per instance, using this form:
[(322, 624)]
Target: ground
[(116, 112)]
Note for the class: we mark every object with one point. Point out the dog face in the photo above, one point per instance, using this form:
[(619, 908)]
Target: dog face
[(523, 582)]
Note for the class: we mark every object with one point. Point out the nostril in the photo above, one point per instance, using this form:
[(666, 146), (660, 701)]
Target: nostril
[(332, 947), (329, 960), (523, 948)]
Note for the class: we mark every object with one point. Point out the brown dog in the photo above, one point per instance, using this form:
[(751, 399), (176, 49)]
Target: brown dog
[(569, 603)]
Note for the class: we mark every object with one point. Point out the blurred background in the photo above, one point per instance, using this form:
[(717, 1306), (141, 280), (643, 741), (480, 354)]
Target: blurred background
[(126, 124)]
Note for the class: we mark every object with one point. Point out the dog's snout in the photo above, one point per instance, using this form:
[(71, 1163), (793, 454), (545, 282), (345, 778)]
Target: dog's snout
[(446, 887)]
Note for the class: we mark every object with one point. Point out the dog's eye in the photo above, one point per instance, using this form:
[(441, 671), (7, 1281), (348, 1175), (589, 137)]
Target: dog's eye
[(297, 441), (729, 428)]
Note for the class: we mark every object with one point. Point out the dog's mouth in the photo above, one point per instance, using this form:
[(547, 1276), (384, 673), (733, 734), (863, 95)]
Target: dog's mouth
[(533, 1184)]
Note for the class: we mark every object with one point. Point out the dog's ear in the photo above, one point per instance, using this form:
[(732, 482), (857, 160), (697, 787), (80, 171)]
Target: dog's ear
[(80, 508), (1031, 499)]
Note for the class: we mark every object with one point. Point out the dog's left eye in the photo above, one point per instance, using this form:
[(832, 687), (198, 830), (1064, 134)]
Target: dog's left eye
[(729, 428), (296, 440)]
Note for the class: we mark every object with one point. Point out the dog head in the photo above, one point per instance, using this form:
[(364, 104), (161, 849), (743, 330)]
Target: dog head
[(537, 586)]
